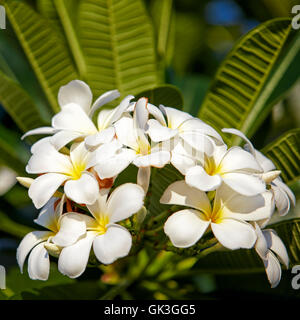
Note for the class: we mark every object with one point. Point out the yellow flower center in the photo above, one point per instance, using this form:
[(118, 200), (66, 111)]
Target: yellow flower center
[(102, 223), (77, 170), (210, 166)]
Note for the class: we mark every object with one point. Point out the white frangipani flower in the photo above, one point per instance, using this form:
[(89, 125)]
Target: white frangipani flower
[(180, 124), (75, 118), (58, 169), (272, 251), (235, 167), (283, 195), (36, 244), (131, 132), (227, 217), (110, 241)]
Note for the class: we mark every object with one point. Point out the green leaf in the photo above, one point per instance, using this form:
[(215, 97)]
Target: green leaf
[(239, 96), (163, 18), (248, 261), (116, 39), (19, 104), (13, 152), (44, 48), (167, 95), (193, 88), (87, 290), (285, 154), (9, 226)]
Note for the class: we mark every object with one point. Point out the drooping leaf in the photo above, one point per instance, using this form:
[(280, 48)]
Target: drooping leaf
[(167, 95), (239, 95), (19, 104), (44, 48), (285, 154)]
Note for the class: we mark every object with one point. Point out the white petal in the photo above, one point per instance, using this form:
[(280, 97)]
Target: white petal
[(47, 217), (246, 184), (198, 141), (104, 136), (62, 138), (41, 130), (273, 269), (241, 135), (197, 126), (73, 259), (76, 92), (198, 178), (181, 194), (248, 208), (79, 155), (29, 242), (182, 157), (154, 159), (39, 263), (261, 245), (104, 99), (157, 114), (103, 153), (175, 117), (141, 114), (143, 178), (158, 132), (84, 190), (44, 186), (47, 159), (238, 159), (125, 133), (234, 234), (72, 227), (111, 167), (265, 163), (118, 111), (124, 201), (73, 118), (99, 207), (276, 245), (279, 183), (112, 245), (185, 228)]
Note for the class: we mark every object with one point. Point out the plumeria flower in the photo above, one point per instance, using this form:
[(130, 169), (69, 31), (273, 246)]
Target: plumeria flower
[(272, 251), (110, 241), (57, 169), (283, 195), (180, 124), (74, 121), (234, 167), (227, 217), (131, 132), (36, 244)]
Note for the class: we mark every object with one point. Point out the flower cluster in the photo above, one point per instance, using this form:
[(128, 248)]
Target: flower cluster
[(231, 192)]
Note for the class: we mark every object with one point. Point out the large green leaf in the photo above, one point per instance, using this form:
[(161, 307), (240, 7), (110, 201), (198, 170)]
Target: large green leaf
[(285, 154), (247, 261), (19, 104), (112, 43), (239, 96), (44, 48)]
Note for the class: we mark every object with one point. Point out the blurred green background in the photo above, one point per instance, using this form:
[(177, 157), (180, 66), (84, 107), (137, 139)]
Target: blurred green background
[(200, 35)]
